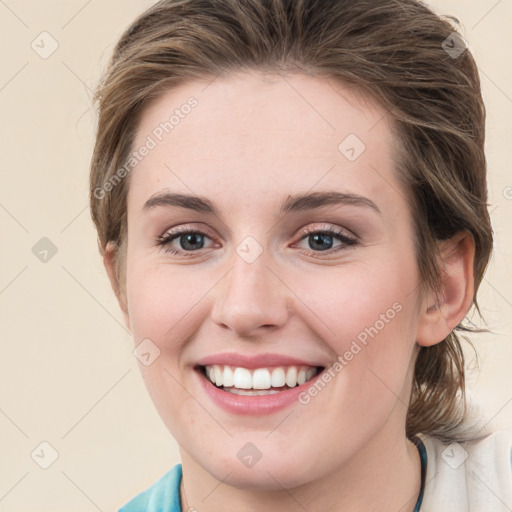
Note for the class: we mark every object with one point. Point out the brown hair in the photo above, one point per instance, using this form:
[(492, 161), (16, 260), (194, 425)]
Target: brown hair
[(397, 52)]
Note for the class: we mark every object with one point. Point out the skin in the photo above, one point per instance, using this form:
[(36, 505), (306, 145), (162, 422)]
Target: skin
[(252, 141)]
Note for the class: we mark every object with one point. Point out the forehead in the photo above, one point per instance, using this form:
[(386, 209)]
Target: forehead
[(263, 133)]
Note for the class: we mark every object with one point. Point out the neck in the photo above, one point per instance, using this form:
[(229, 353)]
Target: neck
[(385, 475)]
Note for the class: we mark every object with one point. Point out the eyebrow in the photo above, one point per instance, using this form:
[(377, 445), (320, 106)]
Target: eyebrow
[(296, 203), (314, 200)]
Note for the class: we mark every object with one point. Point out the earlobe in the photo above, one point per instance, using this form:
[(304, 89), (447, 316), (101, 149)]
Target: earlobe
[(443, 311), (109, 261)]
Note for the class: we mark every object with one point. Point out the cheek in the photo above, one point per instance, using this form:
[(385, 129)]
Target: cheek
[(162, 301), (368, 316), (164, 305), (365, 303), (361, 300)]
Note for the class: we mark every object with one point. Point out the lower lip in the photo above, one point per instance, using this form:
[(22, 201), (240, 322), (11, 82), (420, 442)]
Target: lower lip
[(256, 405)]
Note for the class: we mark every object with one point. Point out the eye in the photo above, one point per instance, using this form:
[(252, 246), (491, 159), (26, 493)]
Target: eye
[(188, 240), (323, 240)]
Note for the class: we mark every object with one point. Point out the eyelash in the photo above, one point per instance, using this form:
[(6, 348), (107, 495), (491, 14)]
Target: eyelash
[(165, 240)]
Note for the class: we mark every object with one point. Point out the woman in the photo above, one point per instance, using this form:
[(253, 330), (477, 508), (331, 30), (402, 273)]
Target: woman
[(290, 200)]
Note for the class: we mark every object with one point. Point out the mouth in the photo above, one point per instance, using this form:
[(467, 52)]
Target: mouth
[(258, 381)]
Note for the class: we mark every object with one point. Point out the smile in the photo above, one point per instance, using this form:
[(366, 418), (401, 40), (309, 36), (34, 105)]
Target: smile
[(255, 384), (258, 381)]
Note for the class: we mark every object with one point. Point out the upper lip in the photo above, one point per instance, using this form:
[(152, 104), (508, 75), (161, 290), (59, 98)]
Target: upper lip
[(253, 361)]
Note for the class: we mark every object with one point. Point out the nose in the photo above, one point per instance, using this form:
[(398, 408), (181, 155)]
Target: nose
[(251, 299)]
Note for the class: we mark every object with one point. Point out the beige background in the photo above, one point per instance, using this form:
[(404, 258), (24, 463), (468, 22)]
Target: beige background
[(68, 376)]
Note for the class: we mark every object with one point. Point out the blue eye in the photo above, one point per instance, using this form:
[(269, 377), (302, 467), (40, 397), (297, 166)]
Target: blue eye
[(190, 241), (322, 240)]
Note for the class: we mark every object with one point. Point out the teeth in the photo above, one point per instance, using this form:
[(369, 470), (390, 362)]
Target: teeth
[(228, 376), (218, 375), (278, 378), (241, 378), (291, 377), (252, 392), (261, 380)]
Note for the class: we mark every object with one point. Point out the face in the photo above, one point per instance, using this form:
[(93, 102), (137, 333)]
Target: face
[(270, 250)]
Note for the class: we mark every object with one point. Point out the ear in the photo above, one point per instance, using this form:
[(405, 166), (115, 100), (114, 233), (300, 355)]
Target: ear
[(109, 261), (443, 311)]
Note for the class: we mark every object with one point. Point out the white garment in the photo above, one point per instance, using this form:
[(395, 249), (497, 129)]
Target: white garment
[(470, 476)]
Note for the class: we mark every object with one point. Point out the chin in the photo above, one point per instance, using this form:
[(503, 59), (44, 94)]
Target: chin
[(272, 468)]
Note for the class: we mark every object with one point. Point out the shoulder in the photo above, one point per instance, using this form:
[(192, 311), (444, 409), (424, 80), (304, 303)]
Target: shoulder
[(162, 496), (470, 475)]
